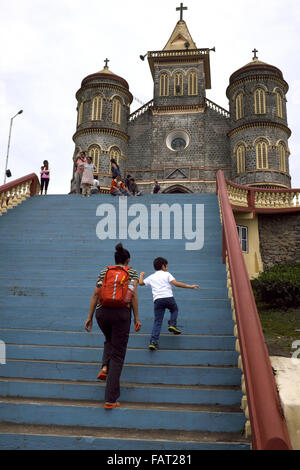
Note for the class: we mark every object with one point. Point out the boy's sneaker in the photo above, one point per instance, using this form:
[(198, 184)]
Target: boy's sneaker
[(153, 346), (174, 329)]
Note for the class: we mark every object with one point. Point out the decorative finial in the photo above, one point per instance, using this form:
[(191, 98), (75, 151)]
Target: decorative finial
[(106, 62), (254, 52), (181, 8)]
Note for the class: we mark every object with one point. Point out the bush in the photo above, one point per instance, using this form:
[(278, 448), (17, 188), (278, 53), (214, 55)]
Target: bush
[(279, 286)]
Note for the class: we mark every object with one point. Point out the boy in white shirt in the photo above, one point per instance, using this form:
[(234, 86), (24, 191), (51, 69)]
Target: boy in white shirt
[(161, 283)]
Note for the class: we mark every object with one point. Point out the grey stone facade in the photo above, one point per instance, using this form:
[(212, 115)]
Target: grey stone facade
[(279, 236), (208, 137)]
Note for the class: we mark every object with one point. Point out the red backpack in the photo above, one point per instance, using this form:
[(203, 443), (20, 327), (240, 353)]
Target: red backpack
[(114, 291)]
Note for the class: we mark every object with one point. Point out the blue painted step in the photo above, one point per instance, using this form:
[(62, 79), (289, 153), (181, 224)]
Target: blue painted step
[(126, 417), (136, 393), (70, 442), (91, 355), (96, 339), (155, 374)]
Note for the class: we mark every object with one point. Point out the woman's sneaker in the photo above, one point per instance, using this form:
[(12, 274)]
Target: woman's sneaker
[(153, 346), (174, 329)]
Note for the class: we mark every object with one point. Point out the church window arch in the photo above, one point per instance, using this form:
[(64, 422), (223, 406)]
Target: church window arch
[(259, 101), (192, 84), (282, 157), (239, 106), (94, 153), (164, 84), (279, 108), (97, 108), (178, 84), (115, 154), (241, 159), (80, 114), (116, 111), (262, 157)]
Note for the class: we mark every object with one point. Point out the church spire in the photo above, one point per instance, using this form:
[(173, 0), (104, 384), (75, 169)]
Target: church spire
[(180, 38)]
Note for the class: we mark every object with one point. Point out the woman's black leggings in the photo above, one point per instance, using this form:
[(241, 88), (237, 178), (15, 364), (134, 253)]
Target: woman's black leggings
[(115, 325), (44, 183)]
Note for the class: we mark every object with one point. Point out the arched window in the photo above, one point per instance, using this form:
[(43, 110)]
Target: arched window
[(115, 153), (164, 85), (193, 84), (94, 153), (279, 105), (282, 157), (259, 101), (240, 159), (178, 84), (97, 108), (116, 111), (262, 155), (239, 106), (80, 114)]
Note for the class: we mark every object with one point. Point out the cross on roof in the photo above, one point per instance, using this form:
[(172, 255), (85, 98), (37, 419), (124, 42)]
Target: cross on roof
[(106, 62), (254, 52), (181, 8)]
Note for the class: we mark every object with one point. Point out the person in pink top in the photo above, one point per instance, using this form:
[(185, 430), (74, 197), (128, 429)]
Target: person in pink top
[(81, 159), (45, 176)]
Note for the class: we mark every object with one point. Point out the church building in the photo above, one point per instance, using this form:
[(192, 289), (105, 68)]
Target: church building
[(180, 137)]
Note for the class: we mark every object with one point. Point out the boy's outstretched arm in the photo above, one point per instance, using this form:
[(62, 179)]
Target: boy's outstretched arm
[(141, 279), (186, 286)]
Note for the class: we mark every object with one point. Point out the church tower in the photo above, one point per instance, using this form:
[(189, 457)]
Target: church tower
[(259, 131), (103, 109), (180, 137)]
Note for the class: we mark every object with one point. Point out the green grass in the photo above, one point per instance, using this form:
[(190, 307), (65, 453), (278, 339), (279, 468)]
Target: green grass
[(280, 329)]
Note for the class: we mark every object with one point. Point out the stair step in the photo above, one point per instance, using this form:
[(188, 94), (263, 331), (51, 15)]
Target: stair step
[(94, 355), (157, 374), (61, 322), (136, 340), (129, 416), (130, 392), (39, 437)]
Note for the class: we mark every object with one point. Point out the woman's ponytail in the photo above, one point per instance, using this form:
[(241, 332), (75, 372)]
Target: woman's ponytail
[(121, 254)]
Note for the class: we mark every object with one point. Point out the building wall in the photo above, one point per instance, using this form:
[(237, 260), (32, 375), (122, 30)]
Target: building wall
[(150, 158), (279, 238)]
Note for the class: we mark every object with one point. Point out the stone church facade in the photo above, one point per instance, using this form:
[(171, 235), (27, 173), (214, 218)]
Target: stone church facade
[(180, 137)]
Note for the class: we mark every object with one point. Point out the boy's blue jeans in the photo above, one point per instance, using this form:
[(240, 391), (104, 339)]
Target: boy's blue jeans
[(160, 306)]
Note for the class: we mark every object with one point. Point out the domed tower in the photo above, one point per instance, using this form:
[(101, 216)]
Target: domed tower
[(103, 108), (259, 132)]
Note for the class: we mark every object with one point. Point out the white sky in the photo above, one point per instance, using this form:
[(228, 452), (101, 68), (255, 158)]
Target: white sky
[(49, 46)]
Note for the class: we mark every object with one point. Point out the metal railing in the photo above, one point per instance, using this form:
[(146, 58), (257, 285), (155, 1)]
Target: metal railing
[(17, 191), (140, 111), (261, 402)]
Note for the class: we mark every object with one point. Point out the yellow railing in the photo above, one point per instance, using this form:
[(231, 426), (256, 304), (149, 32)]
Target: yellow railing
[(261, 199), (17, 191)]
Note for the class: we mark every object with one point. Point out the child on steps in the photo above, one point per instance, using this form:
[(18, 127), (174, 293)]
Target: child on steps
[(161, 283)]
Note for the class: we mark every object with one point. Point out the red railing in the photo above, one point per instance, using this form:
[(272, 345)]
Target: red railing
[(14, 192), (268, 426)]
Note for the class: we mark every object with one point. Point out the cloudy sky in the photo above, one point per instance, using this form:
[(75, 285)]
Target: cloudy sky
[(49, 46)]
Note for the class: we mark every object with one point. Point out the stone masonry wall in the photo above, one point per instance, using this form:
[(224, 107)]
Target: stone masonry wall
[(279, 238)]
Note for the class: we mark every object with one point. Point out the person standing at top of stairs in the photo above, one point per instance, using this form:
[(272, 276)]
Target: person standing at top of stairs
[(115, 325), (160, 283)]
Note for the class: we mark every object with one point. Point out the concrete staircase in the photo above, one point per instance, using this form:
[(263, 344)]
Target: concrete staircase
[(184, 396)]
